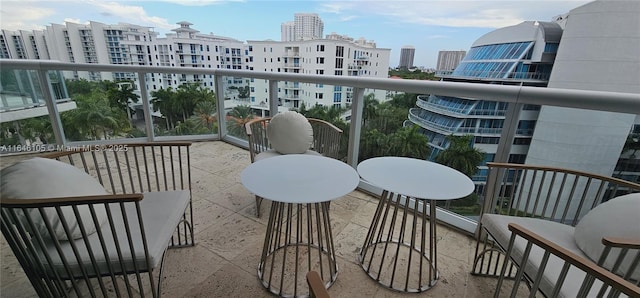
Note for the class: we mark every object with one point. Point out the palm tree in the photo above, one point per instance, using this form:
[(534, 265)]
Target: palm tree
[(120, 95), (369, 110), (237, 118), (205, 116), (409, 142), (165, 101), (461, 155)]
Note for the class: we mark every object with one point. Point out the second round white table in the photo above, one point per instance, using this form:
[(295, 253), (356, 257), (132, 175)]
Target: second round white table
[(408, 184)]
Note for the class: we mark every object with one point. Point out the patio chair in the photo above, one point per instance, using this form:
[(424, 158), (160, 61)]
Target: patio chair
[(326, 142), (316, 285), (98, 221), (553, 211)]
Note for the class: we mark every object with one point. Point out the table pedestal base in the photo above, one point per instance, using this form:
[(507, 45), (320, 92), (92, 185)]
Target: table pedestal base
[(400, 249), (298, 240)]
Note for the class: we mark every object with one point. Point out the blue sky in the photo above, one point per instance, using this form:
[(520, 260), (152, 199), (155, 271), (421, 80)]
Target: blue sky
[(429, 26)]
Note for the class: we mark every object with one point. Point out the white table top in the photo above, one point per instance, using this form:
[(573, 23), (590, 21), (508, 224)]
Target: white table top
[(416, 178), (300, 178)]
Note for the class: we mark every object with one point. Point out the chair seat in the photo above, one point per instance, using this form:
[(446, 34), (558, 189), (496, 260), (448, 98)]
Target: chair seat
[(161, 213), (272, 153), (560, 234)]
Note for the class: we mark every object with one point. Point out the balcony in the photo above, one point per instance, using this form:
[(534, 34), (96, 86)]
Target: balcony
[(230, 236), (229, 241)]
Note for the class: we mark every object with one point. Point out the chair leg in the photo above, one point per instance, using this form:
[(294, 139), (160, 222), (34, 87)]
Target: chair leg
[(258, 203)]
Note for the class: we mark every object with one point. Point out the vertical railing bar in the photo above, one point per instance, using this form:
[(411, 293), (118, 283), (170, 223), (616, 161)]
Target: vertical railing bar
[(539, 193), (582, 199), (561, 278), (548, 196), (119, 168), (104, 248), (108, 170), (128, 163), (74, 249), (569, 200), (88, 246), (560, 191)]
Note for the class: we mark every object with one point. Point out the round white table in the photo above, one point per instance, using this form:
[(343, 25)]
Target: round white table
[(298, 237), (396, 240)]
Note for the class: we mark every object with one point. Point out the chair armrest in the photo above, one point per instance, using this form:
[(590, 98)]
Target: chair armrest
[(316, 285), (66, 201), (631, 243), (591, 268)]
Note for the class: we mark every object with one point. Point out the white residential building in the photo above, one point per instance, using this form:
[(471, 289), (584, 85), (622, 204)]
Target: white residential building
[(308, 26), (186, 47), (339, 57), (287, 31), (449, 60)]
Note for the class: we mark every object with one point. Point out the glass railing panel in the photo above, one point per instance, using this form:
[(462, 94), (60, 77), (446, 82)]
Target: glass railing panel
[(385, 131), (31, 134), (245, 100), (331, 103), (182, 104), (105, 109)]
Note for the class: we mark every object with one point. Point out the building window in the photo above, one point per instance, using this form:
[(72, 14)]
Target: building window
[(339, 51), (339, 62), (320, 60), (320, 71), (338, 72), (319, 95)]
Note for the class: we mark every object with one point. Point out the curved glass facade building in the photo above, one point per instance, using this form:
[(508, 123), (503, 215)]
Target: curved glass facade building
[(518, 55)]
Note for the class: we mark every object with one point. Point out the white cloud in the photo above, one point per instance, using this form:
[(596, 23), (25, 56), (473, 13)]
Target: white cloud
[(23, 15), (200, 2), (77, 21), (131, 13), (454, 13)]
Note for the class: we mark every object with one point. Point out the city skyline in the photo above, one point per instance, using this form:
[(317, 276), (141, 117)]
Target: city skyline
[(430, 26)]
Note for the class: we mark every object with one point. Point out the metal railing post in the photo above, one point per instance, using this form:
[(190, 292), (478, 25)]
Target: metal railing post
[(219, 89), (273, 97), (146, 106), (356, 126), (52, 108)]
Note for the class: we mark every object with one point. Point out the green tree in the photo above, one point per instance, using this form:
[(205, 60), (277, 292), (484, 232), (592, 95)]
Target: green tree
[(120, 96), (409, 142), (461, 155), (237, 118), (165, 101)]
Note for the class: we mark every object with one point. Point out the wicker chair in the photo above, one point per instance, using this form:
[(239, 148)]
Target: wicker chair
[(542, 206), (326, 141), (147, 206)]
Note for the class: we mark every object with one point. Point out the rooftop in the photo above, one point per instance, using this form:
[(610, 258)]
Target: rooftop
[(229, 240)]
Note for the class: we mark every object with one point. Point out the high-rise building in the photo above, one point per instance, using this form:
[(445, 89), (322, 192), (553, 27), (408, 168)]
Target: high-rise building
[(186, 47), (598, 51), (406, 57), (308, 26), (516, 55), (287, 31), (584, 55), (449, 60), (338, 56)]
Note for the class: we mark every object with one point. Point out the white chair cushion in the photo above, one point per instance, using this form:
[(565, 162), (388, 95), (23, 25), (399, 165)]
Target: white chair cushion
[(161, 212), (617, 217), (290, 133), (40, 178)]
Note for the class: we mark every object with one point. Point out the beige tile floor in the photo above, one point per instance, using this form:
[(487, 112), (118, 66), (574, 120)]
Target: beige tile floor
[(229, 241)]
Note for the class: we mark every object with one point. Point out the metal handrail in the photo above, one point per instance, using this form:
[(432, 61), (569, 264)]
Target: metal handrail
[(583, 99)]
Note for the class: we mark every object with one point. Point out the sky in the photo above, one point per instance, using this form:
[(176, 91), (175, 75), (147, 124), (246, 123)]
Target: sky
[(429, 26)]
